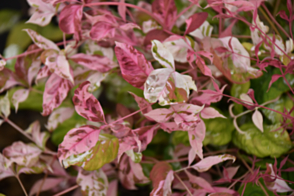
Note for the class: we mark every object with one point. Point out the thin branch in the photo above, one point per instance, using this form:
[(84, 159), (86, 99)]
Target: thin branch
[(67, 190), (18, 129), (269, 21), (189, 192), (274, 20), (23, 188)]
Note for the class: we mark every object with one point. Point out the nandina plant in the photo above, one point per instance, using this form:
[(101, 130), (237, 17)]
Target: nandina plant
[(182, 97)]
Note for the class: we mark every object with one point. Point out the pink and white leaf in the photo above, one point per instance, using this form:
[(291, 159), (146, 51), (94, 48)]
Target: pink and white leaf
[(5, 169), (22, 154), (87, 105), (47, 184), (210, 112), (57, 63), (56, 90), (246, 98), (133, 64), (155, 85), (206, 163), (184, 107), (162, 54), (41, 41), (258, 120), (92, 182), (196, 138), (19, 96), (165, 11), (58, 116), (5, 106), (278, 185), (43, 12), (77, 144), (94, 62), (44, 72), (40, 138)]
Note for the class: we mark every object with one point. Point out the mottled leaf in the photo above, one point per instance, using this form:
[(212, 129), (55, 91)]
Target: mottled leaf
[(40, 138), (22, 154), (56, 90), (5, 106), (58, 116), (93, 182), (41, 41), (87, 105), (262, 144), (162, 55), (134, 66), (19, 96), (87, 148)]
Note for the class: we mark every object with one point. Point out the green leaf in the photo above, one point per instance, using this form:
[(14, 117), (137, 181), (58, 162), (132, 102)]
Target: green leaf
[(181, 137), (264, 144), (283, 103), (19, 37), (8, 19), (62, 129), (103, 152), (218, 131), (254, 190), (260, 85)]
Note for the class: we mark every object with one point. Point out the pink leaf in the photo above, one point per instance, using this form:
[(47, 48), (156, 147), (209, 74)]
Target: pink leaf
[(58, 116), (159, 115), (166, 11), (56, 90), (156, 34), (19, 96), (41, 41), (258, 120), (229, 173), (195, 21), (112, 188), (70, 18), (8, 79), (92, 182), (206, 163), (191, 156), (210, 112), (94, 62), (275, 77), (22, 154), (87, 105), (161, 176), (200, 181), (142, 103), (47, 184), (101, 30), (196, 138), (228, 30), (134, 66), (122, 10), (130, 173), (208, 97)]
